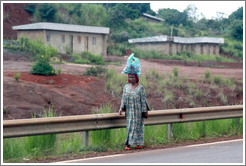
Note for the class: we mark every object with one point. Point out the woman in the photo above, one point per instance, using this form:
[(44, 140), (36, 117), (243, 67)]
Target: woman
[(134, 103)]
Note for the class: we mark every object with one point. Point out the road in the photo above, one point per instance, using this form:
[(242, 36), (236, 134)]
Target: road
[(217, 152)]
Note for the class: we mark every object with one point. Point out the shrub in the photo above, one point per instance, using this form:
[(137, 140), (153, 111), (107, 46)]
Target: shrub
[(93, 58), (175, 72), (207, 74), (95, 71), (218, 80), (42, 67), (168, 98), (17, 76), (36, 47)]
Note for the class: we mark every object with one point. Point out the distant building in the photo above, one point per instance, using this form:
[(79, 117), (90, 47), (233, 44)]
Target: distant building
[(63, 37), (173, 45), (150, 18)]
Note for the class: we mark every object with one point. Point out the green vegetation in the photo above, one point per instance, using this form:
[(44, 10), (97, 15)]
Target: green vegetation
[(32, 146), (87, 58), (233, 48), (115, 82), (95, 71), (42, 66), (38, 147), (125, 23), (17, 76)]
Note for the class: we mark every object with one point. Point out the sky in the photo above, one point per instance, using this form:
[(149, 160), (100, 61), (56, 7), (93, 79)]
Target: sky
[(207, 8)]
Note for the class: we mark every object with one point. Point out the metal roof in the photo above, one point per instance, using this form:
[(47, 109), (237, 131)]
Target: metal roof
[(175, 39), (62, 27), (153, 17)]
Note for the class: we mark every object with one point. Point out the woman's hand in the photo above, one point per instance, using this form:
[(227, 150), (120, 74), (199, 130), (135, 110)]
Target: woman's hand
[(120, 112)]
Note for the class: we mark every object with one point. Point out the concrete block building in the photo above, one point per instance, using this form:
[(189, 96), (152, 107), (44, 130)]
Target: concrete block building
[(67, 37), (173, 45)]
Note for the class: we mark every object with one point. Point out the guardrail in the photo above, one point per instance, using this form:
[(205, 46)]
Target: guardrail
[(53, 125)]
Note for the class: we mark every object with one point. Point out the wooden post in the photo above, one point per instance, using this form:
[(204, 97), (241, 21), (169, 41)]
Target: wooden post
[(86, 138)]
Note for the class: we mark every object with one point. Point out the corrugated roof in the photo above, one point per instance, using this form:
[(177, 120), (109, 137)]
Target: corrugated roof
[(153, 17), (62, 27), (176, 39)]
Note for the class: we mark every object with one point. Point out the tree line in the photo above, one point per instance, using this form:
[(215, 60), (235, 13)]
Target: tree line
[(115, 15)]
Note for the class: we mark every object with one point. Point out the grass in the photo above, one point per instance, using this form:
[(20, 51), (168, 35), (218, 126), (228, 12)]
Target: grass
[(36, 147), (32, 146)]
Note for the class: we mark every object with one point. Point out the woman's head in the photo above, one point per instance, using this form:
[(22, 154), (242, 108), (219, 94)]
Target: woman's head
[(133, 78)]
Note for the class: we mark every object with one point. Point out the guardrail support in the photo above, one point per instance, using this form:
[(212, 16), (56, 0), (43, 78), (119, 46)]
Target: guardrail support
[(170, 131), (86, 138)]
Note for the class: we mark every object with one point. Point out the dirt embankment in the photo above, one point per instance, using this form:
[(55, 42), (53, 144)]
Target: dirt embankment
[(71, 93), (14, 14)]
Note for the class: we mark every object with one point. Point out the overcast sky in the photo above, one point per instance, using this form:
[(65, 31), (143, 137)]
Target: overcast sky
[(207, 8)]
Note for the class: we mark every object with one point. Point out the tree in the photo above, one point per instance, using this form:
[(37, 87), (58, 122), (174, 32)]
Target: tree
[(236, 30), (238, 14), (45, 12), (174, 17)]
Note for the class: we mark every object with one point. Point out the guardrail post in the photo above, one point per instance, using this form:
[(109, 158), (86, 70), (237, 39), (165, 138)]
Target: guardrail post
[(86, 138), (170, 131)]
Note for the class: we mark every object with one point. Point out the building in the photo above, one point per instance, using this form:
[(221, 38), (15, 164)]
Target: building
[(67, 37), (173, 45), (150, 18)]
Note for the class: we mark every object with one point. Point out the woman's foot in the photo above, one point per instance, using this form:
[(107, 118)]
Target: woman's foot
[(139, 147), (127, 148)]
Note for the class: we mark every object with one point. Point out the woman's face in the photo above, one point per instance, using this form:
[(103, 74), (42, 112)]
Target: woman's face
[(132, 78)]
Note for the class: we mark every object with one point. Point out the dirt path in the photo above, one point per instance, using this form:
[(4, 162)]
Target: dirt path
[(191, 72)]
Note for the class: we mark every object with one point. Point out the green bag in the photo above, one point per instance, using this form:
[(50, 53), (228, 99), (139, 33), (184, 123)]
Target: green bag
[(132, 66)]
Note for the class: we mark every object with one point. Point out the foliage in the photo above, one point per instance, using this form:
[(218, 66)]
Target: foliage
[(233, 48), (93, 58), (87, 58), (36, 47), (237, 30), (45, 12), (32, 146), (95, 71), (207, 75), (175, 72), (30, 8), (174, 17), (42, 66), (17, 76)]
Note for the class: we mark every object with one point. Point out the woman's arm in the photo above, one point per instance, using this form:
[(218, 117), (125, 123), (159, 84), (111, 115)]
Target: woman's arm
[(122, 105)]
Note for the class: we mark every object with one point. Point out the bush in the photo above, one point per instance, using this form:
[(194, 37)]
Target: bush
[(36, 47), (93, 58), (175, 72), (42, 67), (17, 76), (95, 71), (207, 74)]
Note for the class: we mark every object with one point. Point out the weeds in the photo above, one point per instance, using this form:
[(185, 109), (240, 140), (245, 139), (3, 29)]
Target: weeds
[(175, 72), (207, 75), (17, 76), (95, 71)]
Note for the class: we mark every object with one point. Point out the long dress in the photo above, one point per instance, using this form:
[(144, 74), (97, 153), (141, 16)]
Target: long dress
[(134, 101)]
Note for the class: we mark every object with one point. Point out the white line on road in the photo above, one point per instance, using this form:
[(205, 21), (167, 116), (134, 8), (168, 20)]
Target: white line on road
[(188, 146)]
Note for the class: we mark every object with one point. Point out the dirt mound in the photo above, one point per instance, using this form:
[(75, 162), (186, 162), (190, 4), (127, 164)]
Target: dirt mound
[(68, 94), (14, 14)]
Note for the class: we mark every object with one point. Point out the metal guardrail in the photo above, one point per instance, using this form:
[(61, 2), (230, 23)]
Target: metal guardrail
[(40, 126)]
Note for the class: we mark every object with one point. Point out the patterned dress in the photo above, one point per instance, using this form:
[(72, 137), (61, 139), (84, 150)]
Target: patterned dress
[(134, 101)]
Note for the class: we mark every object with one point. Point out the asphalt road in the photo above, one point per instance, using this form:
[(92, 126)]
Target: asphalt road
[(218, 152)]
